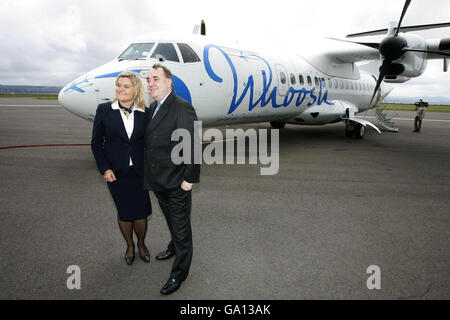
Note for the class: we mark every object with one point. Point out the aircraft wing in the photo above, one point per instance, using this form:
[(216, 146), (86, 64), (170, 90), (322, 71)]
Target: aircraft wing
[(336, 58)]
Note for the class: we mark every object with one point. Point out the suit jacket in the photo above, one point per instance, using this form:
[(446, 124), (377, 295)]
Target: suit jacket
[(110, 144), (160, 173)]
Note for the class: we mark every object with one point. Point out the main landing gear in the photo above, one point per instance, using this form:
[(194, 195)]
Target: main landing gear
[(354, 130)]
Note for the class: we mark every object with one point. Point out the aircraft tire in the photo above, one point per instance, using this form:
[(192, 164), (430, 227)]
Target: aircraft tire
[(359, 131), (355, 131)]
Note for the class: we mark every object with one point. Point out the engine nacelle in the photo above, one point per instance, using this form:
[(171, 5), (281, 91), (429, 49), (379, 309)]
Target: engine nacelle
[(414, 63), (396, 79)]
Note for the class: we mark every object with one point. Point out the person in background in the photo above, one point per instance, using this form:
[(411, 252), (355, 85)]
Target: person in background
[(420, 109), (118, 147)]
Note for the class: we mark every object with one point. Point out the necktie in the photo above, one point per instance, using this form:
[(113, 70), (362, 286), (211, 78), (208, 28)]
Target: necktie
[(126, 111), (156, 110)]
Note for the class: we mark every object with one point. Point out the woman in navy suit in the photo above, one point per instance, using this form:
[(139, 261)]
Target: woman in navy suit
[(118, 147)]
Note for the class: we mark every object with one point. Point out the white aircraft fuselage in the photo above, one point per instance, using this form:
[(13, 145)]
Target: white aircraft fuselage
[(230, 85)]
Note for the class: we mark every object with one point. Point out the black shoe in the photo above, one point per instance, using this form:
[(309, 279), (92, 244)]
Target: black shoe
[(171, 286), (146, 257), (165, 255), (129, 260)]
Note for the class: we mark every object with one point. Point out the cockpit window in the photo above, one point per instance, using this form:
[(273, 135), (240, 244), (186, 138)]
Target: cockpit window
[(187, 53), (166, 51), (137, 51)]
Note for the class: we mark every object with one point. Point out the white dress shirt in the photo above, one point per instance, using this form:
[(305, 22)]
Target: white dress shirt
[(159, 104), (127, 122)]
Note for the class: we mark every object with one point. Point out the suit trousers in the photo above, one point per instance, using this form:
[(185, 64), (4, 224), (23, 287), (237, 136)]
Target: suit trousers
[(176, 206)]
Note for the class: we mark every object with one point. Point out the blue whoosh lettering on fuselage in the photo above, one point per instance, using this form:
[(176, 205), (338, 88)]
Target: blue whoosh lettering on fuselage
[(265, 97)]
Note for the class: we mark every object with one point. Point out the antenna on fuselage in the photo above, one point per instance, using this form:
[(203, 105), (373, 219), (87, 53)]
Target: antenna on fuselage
[(203, 28)]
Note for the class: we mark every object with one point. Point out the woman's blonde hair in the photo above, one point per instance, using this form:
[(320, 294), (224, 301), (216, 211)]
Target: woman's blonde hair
[(139, 91)]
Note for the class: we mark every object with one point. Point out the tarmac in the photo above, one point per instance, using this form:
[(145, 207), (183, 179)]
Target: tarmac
[(337, 210)]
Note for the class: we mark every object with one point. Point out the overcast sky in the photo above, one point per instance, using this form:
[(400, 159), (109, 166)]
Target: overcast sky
[(52, 42)]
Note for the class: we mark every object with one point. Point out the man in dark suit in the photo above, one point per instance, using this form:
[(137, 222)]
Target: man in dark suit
[(171, 183)]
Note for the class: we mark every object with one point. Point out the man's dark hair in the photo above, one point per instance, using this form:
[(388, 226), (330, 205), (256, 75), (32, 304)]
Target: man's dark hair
[(166, 71)]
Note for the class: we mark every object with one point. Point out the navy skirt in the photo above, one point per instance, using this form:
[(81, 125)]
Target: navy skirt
[(132, 201)]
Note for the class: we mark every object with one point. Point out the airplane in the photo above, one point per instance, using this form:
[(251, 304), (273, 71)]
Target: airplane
[(322, 84)]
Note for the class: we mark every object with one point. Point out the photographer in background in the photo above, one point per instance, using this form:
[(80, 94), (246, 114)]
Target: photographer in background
[(420, 109)]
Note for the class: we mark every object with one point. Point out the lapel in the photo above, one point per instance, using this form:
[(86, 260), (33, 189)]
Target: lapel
[(162, 112), (118, 122), (139, 118)]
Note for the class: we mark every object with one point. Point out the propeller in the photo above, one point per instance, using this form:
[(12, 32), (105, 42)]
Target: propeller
[(394, 47), (391, 48)]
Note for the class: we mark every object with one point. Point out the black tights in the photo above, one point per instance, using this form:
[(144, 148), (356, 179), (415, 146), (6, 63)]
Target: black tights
[(140, 229)]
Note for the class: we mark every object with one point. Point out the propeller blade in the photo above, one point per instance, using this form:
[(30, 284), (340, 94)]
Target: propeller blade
[(429, 51), (374, 45), (402, 29), (380, 78), (424, 27), (405, 8), (367, 33)]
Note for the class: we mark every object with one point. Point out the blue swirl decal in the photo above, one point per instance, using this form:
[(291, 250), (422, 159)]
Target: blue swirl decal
[(74, 86), (181, 89), (265, 97)]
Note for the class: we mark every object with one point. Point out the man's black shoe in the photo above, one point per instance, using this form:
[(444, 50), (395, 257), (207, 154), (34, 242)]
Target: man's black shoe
[(171, 285), (165, 255)]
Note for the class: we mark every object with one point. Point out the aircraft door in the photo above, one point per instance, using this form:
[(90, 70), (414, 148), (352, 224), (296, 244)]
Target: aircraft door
[(282, 76)]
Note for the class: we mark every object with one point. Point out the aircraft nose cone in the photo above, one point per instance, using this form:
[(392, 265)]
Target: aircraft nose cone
[(79, 98)]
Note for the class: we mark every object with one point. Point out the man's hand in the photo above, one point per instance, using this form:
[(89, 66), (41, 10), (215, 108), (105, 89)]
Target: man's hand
[(109, 176), (186, 186)]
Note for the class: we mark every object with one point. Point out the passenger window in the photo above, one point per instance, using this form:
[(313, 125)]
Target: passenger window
[(324, 84), (308, 78), (292, 79), (187, 53), (346, 85), (316, 81), (166, 51), (283, 77), (302, 81)]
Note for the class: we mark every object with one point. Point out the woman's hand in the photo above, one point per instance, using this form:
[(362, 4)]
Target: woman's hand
[(109, 176)]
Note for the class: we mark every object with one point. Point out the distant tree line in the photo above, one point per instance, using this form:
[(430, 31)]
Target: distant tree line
[(29, 90)]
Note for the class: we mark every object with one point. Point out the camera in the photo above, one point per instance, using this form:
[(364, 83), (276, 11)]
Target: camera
[(417, 104)]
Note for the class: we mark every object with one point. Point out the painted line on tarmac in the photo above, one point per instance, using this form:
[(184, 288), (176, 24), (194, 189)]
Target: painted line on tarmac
[(411, 119)]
